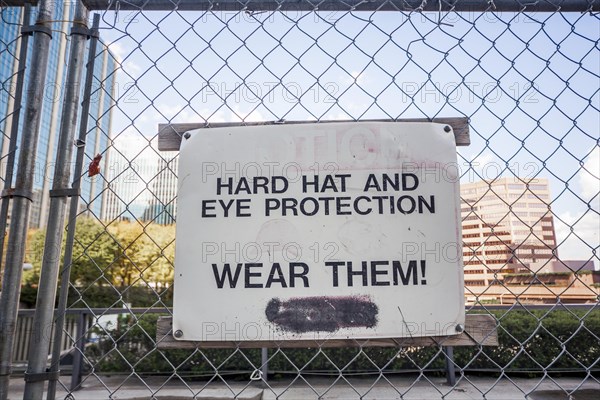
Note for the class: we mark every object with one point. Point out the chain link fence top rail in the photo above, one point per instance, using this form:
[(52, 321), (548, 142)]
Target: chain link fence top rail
[(528, 80)]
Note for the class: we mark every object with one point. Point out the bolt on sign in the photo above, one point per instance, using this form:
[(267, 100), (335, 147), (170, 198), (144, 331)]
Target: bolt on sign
[(316, 231)]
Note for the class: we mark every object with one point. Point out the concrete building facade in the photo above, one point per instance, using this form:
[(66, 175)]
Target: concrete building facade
[(507, 227)]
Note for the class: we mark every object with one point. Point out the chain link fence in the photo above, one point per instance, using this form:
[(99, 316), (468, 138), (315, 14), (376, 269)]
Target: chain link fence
[(527, 77)]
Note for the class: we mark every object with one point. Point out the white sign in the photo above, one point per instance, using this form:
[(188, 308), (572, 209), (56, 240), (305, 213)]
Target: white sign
[(314, 231)]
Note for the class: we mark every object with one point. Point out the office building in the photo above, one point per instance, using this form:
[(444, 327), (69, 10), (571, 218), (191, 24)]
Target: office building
[(142, 182), (99, 122), (161, 205), (509, 247), (507, 226)]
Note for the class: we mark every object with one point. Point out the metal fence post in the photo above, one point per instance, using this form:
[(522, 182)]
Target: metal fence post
[(264, 358), (14, 130), (526, 101), (66, 271), (36, 374), (450, 369), (78, 354), (22, 193)]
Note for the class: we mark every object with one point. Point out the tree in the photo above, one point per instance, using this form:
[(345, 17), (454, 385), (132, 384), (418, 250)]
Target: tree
[(93, 253), (145, 255), (130, 241), (33, 255), (125, 261), (159, 255)]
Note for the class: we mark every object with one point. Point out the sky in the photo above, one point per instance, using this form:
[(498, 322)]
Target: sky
[(530, 84)]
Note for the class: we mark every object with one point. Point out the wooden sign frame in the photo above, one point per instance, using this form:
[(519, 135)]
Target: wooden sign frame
[(479, 329)]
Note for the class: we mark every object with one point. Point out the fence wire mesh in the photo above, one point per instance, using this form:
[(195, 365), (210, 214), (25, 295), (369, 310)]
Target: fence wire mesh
[(9, 100), (529, 84), (10, 55)]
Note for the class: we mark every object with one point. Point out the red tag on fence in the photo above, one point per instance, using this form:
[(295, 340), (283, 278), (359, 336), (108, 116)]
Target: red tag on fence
[(94, 168)]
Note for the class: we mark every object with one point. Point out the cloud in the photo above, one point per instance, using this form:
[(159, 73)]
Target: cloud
[(218, 116), (131, 68), (253, 116), (586, 223), (117, 50), (579, 243), (178, 113), (355, 76), (359, 77), (339, 115), (175, 113), (589, 179), (130, 142), (485, 166)]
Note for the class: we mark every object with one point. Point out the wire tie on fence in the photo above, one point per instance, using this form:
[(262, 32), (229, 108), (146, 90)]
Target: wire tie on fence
[(257, 375), (254, 12), (591, 10), (84, 31), (42, 376), (31, 29), (65, 192), (117, 9), (28, 194), (440, 15), (79, 143)]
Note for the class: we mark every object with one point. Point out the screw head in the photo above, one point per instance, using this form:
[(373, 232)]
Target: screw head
[(178, 334), (447, 128), (187, 135), (459, 328)]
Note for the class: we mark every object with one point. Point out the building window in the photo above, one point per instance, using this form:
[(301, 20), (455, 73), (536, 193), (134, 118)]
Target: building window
[(496, 261), (499, 233), (537, 214), (537, 187), (479, 282), (498, 252), (539, 205), (473, 271), (514, 186)]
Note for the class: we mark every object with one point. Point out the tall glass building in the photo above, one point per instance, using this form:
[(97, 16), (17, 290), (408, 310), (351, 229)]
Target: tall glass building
[(143, 182), (10, 20), (99, 123)]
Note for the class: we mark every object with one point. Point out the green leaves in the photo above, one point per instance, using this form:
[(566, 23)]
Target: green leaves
[(121, 262), (528, 345)]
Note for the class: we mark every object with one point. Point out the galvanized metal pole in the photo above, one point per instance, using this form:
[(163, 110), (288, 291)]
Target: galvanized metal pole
[(14, 130), (337, 5), (264, 358), (79, 348), (355, 5), (450, 370), (36, 374), (22, 192), (66, 271)]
